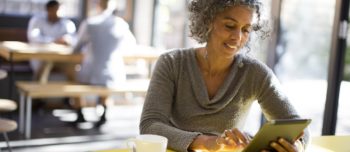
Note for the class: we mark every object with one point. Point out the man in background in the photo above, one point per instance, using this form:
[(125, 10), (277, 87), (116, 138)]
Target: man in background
[(50, 28), (102, 39)]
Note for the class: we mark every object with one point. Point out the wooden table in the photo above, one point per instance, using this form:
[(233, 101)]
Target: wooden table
[(329, 144), (148, 54), (21, 51), (124, 150), (149, 57), (14, 51), (318, 144)]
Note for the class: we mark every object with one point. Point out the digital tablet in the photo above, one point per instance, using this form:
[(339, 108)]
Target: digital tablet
[(288, 129)]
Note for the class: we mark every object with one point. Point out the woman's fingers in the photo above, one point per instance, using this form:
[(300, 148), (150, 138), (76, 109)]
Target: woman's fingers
[(278, 147), (235, 138), (287, 145), (241, 136), (283, 145), (231, 138)]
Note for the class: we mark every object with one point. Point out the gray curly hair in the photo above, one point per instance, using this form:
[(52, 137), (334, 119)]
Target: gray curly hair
[(202, 13)]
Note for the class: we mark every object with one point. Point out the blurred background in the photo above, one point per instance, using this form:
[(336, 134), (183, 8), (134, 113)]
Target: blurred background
[(308, 50)]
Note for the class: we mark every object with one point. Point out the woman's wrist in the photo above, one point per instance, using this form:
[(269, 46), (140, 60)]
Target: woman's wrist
[(195, 145), (204, 142)]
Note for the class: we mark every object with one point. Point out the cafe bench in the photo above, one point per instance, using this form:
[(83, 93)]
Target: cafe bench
[(31, 90)]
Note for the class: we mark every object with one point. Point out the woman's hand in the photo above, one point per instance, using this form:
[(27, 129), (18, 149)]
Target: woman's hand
[(204, 143), (282, 145), (231, 140)]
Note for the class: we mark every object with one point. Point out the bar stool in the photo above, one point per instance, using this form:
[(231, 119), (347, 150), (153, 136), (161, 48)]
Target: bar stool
[(3, 74), (7, 105), (5, 127), (5, 124)]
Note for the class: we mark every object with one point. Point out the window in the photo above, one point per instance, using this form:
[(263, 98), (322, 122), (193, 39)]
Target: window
[(343, 122), (303, 67), (31, 7), (169, 26)]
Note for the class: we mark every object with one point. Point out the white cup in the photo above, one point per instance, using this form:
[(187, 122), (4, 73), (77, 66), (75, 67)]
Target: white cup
[(148, 143)]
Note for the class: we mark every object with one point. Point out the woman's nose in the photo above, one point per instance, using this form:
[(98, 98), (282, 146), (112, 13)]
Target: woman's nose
[(236, 34)]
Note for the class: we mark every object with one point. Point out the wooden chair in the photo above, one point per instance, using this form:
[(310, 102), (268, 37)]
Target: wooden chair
[(7, 125)]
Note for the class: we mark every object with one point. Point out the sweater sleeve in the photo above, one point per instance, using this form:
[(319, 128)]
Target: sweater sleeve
[(156, 114), (273, 102)]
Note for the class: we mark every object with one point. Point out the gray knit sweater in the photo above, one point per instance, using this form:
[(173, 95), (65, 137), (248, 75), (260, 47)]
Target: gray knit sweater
[(178, 107)]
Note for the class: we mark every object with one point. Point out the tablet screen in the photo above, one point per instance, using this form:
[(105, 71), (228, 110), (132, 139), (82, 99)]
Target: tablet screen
[(289, 129)]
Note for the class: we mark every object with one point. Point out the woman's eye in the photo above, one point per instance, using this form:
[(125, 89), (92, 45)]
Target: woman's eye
[(247, 30), (230, 26)]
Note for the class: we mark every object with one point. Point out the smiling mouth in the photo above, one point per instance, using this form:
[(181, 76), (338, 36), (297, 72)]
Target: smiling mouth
[(232, 46)]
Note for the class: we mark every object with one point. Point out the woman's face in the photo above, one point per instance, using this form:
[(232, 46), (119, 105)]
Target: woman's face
[(230, 30)]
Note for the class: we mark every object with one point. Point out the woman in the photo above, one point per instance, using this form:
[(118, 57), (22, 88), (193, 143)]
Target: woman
[(197, 94)]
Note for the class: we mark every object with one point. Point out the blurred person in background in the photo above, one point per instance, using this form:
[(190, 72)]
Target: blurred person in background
[(50, 28), (102, 39)]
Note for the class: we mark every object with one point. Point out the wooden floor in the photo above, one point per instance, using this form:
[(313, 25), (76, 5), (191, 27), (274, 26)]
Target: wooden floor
[(53, 131)]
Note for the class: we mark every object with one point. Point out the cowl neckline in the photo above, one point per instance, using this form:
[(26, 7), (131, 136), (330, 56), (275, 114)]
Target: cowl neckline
[(223, 96)]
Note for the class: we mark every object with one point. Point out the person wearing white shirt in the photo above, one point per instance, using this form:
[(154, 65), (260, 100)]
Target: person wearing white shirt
[(50, 28), (102, 39)]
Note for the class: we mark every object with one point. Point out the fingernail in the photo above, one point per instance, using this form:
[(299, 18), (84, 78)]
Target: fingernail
[(281, 140), (273, 144)]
